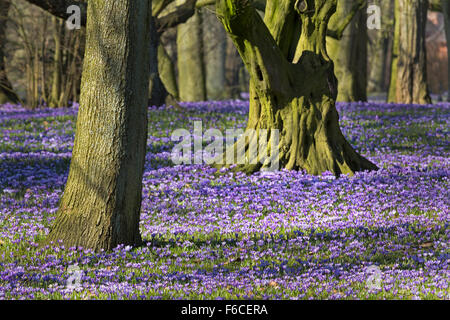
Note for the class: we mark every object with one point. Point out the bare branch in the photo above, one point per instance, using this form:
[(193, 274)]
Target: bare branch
[(58, 8)]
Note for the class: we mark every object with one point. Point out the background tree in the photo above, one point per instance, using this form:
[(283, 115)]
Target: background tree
[(100, 207), (293, 87), (191, 70), (215, 46), (7, 93), (409, 70), (380, 50), (349, 50)]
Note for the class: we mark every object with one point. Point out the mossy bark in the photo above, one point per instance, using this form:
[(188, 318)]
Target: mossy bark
[(7, 93), (293, 87), (349, 53), (409, 68), (101, 204)]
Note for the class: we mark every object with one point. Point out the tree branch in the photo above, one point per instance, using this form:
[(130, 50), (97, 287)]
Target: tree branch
[(256, 45), (181, 14), (339, 31), (58, 8)]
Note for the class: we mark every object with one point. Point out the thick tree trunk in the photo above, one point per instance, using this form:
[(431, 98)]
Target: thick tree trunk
[(349, 54), (191, 71), (293, 87), (101, 204), (7, 93), (215, 43), (409, 68)]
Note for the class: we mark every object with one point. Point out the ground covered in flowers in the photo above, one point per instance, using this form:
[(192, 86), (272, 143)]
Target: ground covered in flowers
[(286, 235)]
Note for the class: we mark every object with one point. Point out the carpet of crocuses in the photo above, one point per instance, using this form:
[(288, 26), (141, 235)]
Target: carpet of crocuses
[(282, 235)]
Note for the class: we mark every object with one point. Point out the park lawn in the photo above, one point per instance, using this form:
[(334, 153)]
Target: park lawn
[(284, 235)]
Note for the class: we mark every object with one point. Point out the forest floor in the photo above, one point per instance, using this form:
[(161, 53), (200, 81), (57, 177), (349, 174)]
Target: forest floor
[(284, 235)]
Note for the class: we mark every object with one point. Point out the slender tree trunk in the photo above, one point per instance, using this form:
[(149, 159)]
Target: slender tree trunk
[(7, 93), (293, 87), (191, 71), (380, 50), (157, 91), (166, 70), (101, 204), (446, 13), (214, 40), (409, 68), (349, 54), (57, 64)]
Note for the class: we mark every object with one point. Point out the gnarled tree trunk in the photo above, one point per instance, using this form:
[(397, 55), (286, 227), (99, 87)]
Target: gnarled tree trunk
[(101, 204), (409, 68), (293, 87)]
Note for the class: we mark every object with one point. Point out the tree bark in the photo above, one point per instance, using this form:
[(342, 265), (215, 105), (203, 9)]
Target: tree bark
[(349, 53), (380, 50), (167, 73), (191, 71), (101, 204), (293, 87), (7, 93), (446, 13), (215, 42), (409, 68), (57, 64)]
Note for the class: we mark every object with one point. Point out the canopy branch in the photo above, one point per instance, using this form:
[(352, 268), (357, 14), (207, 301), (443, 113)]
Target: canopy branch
[(58, 8)]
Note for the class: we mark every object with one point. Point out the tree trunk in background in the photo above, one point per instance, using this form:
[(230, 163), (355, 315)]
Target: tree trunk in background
[(293, 87), (409, 68), (7, 94), (157, 90), (349, 54), (215, 45), (191, 71), (101, 204), (446, 13), (380, 49), (167, 73), (57, 64)]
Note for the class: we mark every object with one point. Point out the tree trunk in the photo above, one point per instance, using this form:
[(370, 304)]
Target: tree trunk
[(101, 204), (409, 68), (380, 50), (166, 70), (446, 14), (157, 90), (191, 71), (349, 54), (293, 87), (215, 42), (57, 64), (7, 94)]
